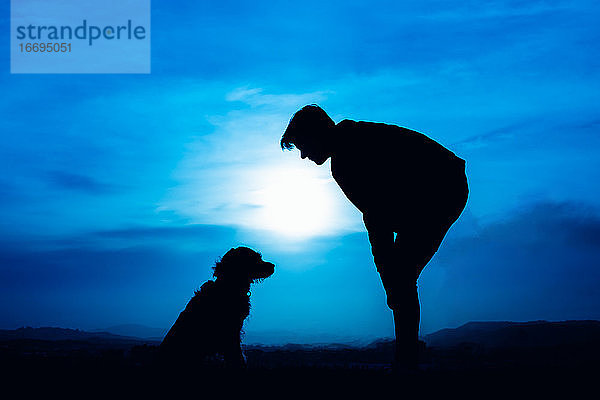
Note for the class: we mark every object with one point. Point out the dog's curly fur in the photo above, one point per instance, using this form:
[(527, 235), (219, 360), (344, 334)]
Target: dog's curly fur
[(211, 324)]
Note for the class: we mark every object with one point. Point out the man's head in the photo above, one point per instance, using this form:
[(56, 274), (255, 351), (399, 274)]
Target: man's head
[(310, 132)]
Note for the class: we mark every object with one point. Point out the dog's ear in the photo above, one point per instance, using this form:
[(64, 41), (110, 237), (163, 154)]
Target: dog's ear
[(228, 262)]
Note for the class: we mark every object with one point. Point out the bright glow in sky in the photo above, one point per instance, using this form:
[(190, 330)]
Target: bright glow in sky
[(295, 202)]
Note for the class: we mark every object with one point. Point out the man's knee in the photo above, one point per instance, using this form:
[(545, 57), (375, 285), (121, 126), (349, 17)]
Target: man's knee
[(402, 296)]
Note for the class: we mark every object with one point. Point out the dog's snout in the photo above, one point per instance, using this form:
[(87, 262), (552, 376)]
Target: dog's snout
[(269, 266), (266, 269)]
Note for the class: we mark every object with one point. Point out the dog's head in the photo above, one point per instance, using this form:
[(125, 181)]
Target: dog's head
[(244, 264)]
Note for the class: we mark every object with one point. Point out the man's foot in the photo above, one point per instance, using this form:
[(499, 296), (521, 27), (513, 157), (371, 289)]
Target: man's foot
[(406, 359)]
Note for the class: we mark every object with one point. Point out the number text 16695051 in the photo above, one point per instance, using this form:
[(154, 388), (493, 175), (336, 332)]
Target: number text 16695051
[(45, 47)]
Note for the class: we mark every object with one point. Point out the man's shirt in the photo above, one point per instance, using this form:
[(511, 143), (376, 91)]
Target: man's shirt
[(389, 172)]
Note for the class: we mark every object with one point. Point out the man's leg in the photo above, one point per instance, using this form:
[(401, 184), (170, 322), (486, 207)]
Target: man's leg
[(399, 262), (413, 248), (406, 311), (401, 291)]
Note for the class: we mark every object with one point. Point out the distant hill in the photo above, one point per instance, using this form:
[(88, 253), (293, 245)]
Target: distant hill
[(504, 334), (136, 330), (57, 334), (473, 346), (287, 337), (491, 335)]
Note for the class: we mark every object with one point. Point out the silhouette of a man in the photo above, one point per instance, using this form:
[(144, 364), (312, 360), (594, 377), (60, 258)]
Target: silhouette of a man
[(410, 190)]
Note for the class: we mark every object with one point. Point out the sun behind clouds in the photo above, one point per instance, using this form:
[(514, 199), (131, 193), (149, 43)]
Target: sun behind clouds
[(297, 202)]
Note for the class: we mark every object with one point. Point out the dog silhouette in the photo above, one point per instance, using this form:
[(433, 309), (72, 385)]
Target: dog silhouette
[(210, 327)]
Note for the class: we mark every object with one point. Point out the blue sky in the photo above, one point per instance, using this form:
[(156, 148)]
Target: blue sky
[(119, 192)]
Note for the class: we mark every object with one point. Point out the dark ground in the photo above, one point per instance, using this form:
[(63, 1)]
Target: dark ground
[(531, 360)]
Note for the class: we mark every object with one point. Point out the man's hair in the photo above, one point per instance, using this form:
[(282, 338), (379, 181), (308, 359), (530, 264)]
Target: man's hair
[(308, 122)]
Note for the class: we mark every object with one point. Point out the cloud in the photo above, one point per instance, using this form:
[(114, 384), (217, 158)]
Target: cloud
[(92, 286), (237, 175), (538, 263), (256, 97), (177, 232), (146, 274), (487, 138), (526, 132), (500, 9), (80, 183), (118, 275)]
